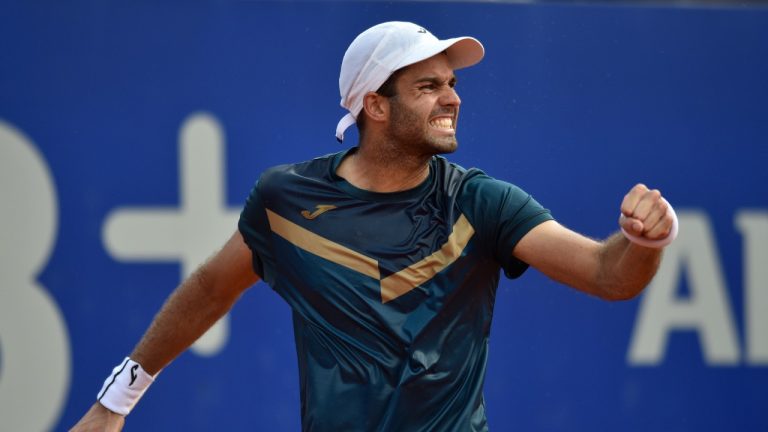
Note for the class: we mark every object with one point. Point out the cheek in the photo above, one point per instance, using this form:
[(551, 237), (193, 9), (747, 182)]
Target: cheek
[(425, 101)]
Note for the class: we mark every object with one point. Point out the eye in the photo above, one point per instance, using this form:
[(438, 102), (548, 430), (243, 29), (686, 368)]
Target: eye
[(427, 87)]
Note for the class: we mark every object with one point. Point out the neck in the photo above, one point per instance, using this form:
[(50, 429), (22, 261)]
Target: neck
[(384, 168)]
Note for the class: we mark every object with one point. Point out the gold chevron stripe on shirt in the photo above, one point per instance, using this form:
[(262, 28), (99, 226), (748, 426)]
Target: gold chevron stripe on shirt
[(321, 246), (397, 284), (392, 286)]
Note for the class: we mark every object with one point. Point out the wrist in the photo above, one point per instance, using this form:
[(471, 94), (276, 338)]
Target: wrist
[(124, 387)]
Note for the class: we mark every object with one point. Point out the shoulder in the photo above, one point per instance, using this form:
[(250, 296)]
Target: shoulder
[(280, 177), (471, 179), (492, 204), (486, 190)]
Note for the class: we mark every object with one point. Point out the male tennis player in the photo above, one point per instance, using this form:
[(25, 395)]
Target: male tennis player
[(389, 255)]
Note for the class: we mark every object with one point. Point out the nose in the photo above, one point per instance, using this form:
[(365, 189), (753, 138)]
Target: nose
[(450, 97)]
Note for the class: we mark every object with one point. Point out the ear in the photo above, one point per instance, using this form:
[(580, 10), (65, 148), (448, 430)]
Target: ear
[(376, 107)]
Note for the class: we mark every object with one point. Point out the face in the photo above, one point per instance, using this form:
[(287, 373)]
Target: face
[(424, 113)]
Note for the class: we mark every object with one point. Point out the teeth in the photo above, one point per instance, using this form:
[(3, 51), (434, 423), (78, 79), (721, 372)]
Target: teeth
[(442, 123)]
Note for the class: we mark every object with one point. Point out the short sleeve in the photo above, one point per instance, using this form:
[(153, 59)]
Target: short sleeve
[(502, 214), (520, 213), (254, 227)]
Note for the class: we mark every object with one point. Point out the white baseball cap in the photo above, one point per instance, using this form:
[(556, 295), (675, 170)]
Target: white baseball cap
[(381, 50)]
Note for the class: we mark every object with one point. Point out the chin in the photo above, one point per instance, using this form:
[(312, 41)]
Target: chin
[(443, 145)]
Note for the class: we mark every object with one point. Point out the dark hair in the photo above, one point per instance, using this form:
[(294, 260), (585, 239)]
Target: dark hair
[(388, 90)]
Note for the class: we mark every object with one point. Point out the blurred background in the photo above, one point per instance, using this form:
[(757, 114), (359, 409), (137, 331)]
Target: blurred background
[(131, 133)]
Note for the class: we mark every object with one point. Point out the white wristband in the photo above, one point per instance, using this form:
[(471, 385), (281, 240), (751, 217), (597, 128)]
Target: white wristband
[(124, 387), (659, 243)]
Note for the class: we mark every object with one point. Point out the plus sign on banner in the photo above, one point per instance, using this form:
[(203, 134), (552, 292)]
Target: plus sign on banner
[(188, 234)]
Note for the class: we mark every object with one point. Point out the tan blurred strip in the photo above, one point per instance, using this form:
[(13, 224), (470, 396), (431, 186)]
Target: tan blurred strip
[(322, 247)]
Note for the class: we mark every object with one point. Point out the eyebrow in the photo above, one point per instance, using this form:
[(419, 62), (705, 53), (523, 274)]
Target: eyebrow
[(435, 80)]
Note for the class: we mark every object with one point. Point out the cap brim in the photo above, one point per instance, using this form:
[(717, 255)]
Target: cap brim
[(462, 52)]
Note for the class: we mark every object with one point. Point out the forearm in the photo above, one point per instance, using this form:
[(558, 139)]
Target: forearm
[(190, 310), (624, 268)]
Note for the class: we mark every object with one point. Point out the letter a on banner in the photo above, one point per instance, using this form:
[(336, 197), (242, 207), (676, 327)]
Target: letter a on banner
[(707, 311)]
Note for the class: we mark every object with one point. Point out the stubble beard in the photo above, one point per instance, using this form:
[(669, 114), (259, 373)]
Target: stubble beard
[(411, 134)]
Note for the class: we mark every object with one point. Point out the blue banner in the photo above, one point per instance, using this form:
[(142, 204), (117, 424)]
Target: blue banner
[(130, 135)]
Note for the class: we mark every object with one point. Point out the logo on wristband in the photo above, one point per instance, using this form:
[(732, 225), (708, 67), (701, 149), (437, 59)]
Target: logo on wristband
[(133, 374)]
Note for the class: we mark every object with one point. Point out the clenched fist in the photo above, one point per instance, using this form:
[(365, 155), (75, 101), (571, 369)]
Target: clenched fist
[(645, 214)]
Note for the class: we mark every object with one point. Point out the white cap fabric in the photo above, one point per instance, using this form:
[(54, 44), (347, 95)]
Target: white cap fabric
[(381, 50)]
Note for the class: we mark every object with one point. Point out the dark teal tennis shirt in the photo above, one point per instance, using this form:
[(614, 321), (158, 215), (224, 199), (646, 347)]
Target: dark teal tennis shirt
[(392, 293)]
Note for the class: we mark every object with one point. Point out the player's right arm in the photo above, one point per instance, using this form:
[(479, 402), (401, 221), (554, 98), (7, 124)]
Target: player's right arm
[(191, 309), (613, 269)]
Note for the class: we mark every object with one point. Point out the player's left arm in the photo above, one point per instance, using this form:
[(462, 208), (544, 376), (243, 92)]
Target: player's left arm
[(614, 269)]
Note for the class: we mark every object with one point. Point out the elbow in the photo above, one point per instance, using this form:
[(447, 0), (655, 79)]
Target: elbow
[(620, 291)]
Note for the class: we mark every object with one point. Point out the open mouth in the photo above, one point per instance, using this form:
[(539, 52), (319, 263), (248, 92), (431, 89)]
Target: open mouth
[(442, 123)]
